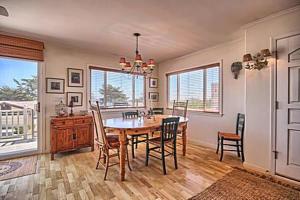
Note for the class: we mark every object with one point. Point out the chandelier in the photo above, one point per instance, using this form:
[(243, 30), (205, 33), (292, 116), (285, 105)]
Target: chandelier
[(138, 66)]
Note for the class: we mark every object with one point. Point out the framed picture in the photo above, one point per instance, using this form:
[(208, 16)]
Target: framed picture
[(75, 77), (55, 85), (153, 82), (76, 97), (153, 96)]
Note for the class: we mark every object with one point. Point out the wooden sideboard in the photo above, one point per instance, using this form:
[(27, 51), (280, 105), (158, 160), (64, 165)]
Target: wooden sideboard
[(70, 133)]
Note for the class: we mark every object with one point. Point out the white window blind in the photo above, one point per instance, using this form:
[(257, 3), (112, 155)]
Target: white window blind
[(200, 86), (117, 89)]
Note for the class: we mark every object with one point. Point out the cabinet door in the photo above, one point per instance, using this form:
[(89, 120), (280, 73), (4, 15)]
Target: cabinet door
[(83, 135), (65, 139)]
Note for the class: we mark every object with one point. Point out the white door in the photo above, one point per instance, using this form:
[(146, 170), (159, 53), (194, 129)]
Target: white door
[(288, 108)]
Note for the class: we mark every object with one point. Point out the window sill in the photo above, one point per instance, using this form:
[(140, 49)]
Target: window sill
[(121, 109), (202, 113)]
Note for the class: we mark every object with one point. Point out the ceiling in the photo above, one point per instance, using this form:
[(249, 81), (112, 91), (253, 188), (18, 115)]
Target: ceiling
[(169, 28)]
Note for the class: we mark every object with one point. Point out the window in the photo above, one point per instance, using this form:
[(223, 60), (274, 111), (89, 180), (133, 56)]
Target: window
[(116, 89), (200, 86)]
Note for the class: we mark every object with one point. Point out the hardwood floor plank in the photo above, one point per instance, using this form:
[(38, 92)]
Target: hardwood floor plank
[(72, 176)]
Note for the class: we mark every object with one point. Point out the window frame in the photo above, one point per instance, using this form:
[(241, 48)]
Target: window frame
[(217, 64), (105, 82)]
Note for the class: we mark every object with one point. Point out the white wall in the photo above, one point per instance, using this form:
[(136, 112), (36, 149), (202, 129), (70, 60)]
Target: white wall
[(203, 128), (259, 85), (57, 59), (251, 93)]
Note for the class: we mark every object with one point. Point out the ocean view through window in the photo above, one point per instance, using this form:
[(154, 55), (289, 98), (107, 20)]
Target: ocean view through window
[(116, 89), (201, 86)]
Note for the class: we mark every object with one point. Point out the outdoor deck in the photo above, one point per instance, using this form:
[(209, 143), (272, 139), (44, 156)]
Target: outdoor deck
[(18, 127), (9, 146)]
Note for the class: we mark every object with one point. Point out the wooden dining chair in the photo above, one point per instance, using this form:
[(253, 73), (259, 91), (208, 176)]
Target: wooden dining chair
[(237, 138), (135, 139), (165, 143), (107, 143), (156, 111), (180, 108)]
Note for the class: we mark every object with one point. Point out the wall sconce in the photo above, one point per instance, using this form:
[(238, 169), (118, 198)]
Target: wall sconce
[(236, 67), (258, 61)]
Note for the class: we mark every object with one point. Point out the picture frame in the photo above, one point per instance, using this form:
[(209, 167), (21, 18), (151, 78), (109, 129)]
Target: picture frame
[(153, 82), (55, 85), (75, 77), (77, 98), (154, 96)]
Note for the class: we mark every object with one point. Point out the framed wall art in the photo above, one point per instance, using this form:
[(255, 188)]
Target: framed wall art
[(76, 97), (55, 85), (75, 77), (153, 96), (153, 82)]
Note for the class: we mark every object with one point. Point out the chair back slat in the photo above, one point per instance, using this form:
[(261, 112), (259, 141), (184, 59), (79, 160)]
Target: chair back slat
[(180, 108), (156, 111), (240, 124), (169, 129), (130, 114), (97, 118)]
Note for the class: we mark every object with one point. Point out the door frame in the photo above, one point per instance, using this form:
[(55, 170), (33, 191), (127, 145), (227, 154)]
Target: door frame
[(273, 124), (41, 143)]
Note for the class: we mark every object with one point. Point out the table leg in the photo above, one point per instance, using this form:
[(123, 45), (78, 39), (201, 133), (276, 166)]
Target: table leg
[(184, 139), (122, 139)]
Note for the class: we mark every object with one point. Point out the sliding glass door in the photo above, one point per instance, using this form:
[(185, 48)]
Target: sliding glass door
[(19, 107)]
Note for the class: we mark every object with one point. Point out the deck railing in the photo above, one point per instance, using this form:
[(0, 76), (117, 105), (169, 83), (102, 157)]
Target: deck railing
[(17, 123)]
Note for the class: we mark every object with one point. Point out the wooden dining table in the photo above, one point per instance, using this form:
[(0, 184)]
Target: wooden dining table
[(136, 126)]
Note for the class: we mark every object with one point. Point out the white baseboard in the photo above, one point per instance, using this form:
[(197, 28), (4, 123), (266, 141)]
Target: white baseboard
[(201, 143), (255, 167)]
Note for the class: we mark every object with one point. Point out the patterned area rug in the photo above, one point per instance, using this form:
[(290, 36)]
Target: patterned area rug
[(243, 185), (17, 167)]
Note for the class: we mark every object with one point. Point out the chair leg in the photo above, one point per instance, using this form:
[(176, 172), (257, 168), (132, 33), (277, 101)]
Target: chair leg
[(136, 141), (163, 160), (242, 150), (132, 146), (218, 144), (128, 163), (147, 153), (118, 152), (104, 158), (222, 150), (175, 156), (99, 158), (107, 165), (238, 148)]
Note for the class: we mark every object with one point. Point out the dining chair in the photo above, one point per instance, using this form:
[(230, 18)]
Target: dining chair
[(135, 139), (106, 143), (180, 108), (156, 111), (237, 137), (165, 143)]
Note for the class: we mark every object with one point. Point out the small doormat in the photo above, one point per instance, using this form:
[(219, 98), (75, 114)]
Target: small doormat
[(241, 184), (17, 167)]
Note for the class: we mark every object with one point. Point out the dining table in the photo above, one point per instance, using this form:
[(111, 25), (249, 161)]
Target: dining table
[(137, 126)]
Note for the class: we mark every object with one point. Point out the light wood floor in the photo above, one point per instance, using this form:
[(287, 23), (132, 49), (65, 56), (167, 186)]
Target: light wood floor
[(73, 176)]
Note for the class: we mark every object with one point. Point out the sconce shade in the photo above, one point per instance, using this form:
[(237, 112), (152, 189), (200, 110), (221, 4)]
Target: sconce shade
[(266, 52), (247, 57)]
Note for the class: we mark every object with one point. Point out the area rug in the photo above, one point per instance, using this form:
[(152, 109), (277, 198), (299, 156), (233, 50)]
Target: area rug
[(17, 167), (244, 185)]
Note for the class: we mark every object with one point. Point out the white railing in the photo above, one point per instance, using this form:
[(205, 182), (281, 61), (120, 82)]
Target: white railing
[(17, 123)]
